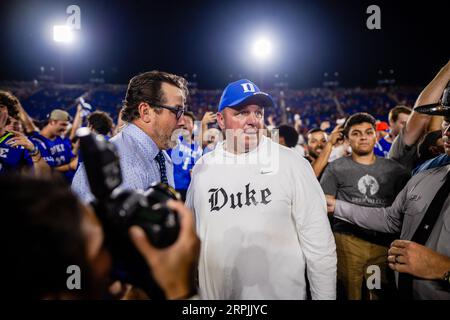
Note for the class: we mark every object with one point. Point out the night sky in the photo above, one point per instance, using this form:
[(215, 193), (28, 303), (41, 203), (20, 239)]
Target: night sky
[(213, 38)]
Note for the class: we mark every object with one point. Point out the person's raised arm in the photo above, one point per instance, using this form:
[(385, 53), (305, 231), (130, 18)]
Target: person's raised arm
[(208, 117), (322, 161), (76, 122), (417, 122)]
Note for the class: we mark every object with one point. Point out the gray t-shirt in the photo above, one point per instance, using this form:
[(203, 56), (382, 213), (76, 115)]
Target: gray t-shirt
[(374, 185)]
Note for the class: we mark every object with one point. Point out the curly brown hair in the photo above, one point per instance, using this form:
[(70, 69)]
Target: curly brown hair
[(10, 101)]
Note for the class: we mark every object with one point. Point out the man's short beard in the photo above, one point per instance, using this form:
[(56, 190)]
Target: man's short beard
[(314, 154), (169, 144)]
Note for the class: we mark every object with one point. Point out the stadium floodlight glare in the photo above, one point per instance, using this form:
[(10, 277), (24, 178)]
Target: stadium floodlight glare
[(63, 34), (262, 49)]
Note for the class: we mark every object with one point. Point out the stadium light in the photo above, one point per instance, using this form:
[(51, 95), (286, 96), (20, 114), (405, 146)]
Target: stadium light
[(262, 49), (62, 34)]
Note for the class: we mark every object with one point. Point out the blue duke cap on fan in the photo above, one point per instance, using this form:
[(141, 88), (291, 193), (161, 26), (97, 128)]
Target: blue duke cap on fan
[(244, 92)]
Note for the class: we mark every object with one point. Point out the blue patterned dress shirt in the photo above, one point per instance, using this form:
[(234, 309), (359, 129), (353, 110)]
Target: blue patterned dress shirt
[(137, 152)]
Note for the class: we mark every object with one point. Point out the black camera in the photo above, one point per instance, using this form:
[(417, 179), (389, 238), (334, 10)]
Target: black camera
[(119, 209)]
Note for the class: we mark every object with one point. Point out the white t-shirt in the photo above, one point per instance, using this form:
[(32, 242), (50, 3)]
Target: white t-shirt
[(261, 218), (301, 151)]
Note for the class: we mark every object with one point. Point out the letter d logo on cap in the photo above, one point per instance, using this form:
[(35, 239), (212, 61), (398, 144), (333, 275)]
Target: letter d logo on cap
[(248, 87)]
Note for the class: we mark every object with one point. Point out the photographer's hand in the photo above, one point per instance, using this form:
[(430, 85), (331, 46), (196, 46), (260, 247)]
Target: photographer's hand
[(172, 267)]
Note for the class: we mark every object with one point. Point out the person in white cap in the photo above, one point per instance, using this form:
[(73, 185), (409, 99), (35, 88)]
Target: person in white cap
[(260, 212)]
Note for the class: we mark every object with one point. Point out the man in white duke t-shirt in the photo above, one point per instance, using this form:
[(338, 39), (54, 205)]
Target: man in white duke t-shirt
[(260, 211)]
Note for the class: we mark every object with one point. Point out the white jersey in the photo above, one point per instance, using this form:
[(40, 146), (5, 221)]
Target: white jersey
[(261, 224)]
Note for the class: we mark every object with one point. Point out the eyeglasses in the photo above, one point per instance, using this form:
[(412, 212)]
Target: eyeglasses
[(177, 110)]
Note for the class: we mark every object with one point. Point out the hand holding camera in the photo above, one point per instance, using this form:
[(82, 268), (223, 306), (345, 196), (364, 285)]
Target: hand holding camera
[(153, 217), (172, 267)]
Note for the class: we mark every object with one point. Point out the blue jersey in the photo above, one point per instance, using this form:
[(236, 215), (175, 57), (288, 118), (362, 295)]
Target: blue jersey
[(382, 148), (56, 152), (184, 156), (12, 158)]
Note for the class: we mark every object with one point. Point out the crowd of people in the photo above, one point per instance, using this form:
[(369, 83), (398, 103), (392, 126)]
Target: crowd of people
[(290, 194)]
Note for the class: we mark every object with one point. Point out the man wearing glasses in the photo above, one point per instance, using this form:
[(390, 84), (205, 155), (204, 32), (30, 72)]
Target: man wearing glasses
[(260, 212), (153, 108)]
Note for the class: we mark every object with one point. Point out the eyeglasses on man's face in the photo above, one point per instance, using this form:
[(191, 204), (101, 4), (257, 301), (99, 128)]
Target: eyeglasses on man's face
[(178, 111)]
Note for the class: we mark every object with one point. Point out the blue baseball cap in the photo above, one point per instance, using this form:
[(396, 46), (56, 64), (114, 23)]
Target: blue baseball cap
[(244, 92)]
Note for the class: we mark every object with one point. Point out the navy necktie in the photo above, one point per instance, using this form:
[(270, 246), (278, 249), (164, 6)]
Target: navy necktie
[(162, 166)]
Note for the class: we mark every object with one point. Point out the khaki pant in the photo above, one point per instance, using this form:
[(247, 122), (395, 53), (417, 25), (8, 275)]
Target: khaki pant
[(354, 256)]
